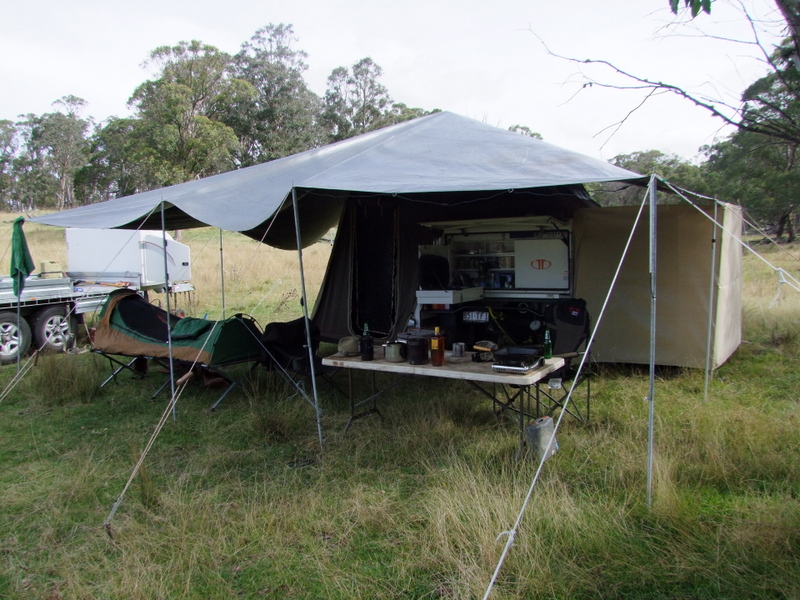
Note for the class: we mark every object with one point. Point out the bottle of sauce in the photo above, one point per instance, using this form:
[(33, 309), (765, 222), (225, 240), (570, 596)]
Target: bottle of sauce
[(366, 344), (547, 350), (437, 348)]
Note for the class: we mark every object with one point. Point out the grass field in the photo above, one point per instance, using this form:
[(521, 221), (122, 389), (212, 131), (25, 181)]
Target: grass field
[(241, 503)]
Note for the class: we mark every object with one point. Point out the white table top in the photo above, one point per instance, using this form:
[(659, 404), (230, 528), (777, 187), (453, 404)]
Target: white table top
[(461, 367)]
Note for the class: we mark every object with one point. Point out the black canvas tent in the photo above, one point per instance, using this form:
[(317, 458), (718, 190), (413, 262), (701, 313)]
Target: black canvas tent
[(377, 188)]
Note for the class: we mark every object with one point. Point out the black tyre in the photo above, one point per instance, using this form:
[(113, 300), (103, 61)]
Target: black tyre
[(53, 329), (15, 337)]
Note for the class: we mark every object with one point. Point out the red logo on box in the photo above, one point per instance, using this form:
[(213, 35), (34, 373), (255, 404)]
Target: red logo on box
[(541, 264)]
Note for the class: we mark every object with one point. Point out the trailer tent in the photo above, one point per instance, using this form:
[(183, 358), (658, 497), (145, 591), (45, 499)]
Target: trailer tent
[(381, 187)]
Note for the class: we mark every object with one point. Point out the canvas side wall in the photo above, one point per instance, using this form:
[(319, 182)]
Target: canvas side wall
[(729, 288), (684, 255)]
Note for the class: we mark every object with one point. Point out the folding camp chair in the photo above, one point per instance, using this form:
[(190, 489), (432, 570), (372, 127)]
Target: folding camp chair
[(285, 349), (569, 324)]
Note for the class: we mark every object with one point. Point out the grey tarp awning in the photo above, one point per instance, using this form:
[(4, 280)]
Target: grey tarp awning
[(441, 152)]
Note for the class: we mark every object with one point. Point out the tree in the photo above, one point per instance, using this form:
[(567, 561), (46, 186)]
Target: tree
[(759, 173), (399, 112), (54, 148), (281, 117), (64, 137), (177, 114), (526, 131), (671, 167), (771, 105), (355, 101), (8, 150), (121, 163)]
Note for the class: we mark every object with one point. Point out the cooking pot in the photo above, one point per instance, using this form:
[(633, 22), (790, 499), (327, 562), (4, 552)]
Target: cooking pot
[(417, 351), (394, 352)]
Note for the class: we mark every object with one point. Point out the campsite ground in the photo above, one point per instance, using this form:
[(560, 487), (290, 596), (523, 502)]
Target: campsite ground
[(241, 502)]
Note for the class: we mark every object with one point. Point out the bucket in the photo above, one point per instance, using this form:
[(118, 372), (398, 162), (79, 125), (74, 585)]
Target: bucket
[(537, 435)]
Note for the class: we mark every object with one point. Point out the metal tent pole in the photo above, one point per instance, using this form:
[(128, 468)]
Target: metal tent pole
[(169, 327), (651, 392), (222, 273), (305, 315), (711, 297)]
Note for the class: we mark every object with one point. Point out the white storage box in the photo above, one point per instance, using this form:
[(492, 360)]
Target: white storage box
[(139, 253)]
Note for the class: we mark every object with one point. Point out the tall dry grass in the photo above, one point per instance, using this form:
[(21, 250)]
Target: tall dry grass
[(259, 280), (242, 503)]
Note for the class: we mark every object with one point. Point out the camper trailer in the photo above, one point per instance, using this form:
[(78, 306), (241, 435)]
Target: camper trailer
[(53, 302)]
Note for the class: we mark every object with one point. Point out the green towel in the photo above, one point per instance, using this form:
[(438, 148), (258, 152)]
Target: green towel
[(21, 261)]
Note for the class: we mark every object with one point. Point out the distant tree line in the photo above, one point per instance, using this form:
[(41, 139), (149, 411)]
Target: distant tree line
[(206, 112)]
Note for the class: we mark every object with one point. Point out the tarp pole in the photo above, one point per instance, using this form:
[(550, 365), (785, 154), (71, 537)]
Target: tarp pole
[(19, 329), (169, 327), (711, 303), (222, 273), (21, 266), (309, 345), (651, 392)]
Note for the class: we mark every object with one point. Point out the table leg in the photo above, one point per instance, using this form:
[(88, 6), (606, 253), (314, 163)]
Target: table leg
[(373, 410)]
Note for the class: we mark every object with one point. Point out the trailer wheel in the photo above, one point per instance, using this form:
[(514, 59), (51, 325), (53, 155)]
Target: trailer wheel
[(15, 337), (53, 329)]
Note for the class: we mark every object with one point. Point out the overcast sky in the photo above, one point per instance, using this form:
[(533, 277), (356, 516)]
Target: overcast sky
[(476, 58)]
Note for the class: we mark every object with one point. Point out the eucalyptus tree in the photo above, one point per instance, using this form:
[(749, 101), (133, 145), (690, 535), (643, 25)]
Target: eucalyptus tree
[(761, 174), (121, 163), (8, 149), (673, 168), (33, 184), (178, 114), (281, 117), (54, 147), (355, 100)]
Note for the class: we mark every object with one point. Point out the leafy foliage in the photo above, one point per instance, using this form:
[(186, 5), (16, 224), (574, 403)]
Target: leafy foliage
[(671, 167), (526, 131), (694, 5), (761, 174), (178, 112), (355, 100), (53, 149), (281, 117)]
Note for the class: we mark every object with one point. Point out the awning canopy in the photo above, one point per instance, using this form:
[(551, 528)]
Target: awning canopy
[(439, 153)]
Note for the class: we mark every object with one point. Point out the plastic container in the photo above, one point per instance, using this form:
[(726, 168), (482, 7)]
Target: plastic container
[(538, 435)]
